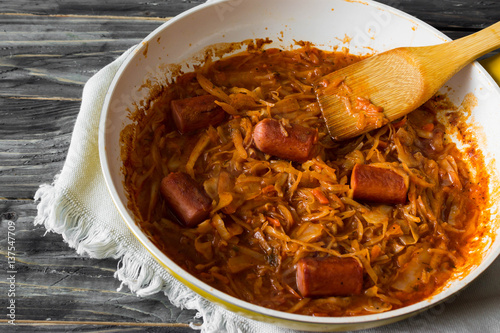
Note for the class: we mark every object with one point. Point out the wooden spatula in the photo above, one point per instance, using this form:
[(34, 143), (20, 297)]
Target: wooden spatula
[(387, 86)]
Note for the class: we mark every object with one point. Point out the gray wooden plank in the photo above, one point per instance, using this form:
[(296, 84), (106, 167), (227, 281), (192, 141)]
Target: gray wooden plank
[(34, 139), (109, 328), (101, 8), (469, 14), (451, 14), (58, 61), (54, 283), (53, 327)]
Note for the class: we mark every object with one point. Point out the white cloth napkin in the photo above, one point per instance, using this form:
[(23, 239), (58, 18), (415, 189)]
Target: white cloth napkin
[(77, 206)]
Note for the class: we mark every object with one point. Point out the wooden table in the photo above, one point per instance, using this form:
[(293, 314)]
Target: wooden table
[(48, 50)]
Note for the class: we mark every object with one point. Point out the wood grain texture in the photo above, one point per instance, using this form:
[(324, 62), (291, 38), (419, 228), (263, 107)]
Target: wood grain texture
[(451, 14), (164, 8), (48, 50), (59, 61), (34, 139), (456, 14), (53, 283)]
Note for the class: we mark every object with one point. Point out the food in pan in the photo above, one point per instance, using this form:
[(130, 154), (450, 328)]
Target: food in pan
[(231, 172)]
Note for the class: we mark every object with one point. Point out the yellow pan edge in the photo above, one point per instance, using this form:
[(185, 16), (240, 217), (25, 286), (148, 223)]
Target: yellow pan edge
[(492, 65)]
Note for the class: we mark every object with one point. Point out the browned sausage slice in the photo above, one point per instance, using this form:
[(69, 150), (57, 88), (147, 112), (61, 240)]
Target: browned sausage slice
[(329, 276), (196, 112), (186, 198), (294, 143), (374, 184)]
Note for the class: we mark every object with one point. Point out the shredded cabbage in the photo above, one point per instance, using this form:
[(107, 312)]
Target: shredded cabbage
[(268, 213)]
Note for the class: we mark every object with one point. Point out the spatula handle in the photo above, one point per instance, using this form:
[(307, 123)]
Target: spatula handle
[(439, 63), (478, 44)]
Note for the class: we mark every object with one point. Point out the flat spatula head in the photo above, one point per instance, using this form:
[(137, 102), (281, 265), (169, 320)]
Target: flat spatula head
[(370, 93), (387, 86)]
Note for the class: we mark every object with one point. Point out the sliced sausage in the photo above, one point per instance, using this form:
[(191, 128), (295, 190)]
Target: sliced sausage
[(196, 112), (186, 198), (329, 276), (375, 184), (294, 143)]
